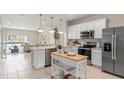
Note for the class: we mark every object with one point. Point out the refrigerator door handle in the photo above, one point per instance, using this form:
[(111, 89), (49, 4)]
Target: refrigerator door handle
[(112, 47), (115, 45)]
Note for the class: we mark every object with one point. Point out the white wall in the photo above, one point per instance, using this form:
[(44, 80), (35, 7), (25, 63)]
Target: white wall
[(114, 20), (32, 36)]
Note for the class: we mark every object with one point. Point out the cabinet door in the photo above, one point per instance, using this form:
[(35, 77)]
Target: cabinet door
[(98, 29), (77, 31), (41, 58), (38, 58), (70, 32), (83, 27), (98, 26), (73, 32), (90, 26), (97, 59)]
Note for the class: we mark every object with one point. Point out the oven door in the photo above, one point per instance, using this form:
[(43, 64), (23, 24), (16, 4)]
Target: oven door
[(86, 52), (81, 51)]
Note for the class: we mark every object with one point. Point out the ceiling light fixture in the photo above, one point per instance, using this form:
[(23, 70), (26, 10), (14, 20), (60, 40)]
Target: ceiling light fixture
[(60, 32), (40, 27)]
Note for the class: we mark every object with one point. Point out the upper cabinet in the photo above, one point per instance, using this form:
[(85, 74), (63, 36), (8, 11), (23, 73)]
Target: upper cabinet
[(74, 31), (77, 31), (89, 26), (70, 32), (97, 26), (83, 27)]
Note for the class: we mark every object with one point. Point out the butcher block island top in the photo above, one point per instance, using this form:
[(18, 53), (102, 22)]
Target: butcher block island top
[(75, 57)]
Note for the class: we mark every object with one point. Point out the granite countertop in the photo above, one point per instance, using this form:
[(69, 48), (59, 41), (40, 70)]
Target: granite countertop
[(42, 47)]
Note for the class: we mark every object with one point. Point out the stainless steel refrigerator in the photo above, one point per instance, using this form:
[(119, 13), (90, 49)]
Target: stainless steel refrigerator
[(113, 50)]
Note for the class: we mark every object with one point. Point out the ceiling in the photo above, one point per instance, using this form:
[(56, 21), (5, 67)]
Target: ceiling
[(31, 21), (72, 17)]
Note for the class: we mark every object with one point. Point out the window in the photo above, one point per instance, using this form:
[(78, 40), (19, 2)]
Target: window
[(15, 40)]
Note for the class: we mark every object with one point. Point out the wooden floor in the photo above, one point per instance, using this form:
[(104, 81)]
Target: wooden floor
[(18, 66)]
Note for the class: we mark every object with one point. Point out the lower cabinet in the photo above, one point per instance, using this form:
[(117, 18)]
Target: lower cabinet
[(96, 57), (38, 59)]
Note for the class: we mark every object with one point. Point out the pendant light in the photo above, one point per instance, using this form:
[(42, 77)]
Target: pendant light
[(51, 29), (40, 27), (60, 26)]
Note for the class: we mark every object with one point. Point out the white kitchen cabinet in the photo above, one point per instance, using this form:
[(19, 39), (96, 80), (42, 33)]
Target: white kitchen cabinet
[(70, 32), (89, 26), (74, 32), (98, 26), (97, 57), (83, 27), (38, 58), (77, 31)]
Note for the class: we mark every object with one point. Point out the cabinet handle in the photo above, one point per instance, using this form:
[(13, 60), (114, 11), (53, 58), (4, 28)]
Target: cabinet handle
[(112, 47), (115, 45)]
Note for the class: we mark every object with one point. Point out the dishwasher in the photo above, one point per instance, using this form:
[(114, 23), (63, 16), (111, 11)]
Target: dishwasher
[(48, 56)]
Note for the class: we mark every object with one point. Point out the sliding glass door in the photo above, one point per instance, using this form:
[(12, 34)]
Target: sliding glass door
[(14, 43)]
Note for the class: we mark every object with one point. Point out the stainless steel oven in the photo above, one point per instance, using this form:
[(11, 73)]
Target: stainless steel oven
[(86, 50)]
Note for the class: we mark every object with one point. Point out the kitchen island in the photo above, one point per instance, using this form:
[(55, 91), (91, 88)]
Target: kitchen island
[(64, 65), (40, 56)]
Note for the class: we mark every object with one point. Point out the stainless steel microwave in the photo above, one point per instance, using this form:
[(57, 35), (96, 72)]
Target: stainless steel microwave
[(87, 34)]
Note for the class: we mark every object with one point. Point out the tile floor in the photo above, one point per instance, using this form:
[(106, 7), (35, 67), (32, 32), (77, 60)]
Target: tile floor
[(18, 66)]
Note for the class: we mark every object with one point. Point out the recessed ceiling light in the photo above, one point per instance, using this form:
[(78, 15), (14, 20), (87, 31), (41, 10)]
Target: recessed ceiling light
[(52, 31)]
